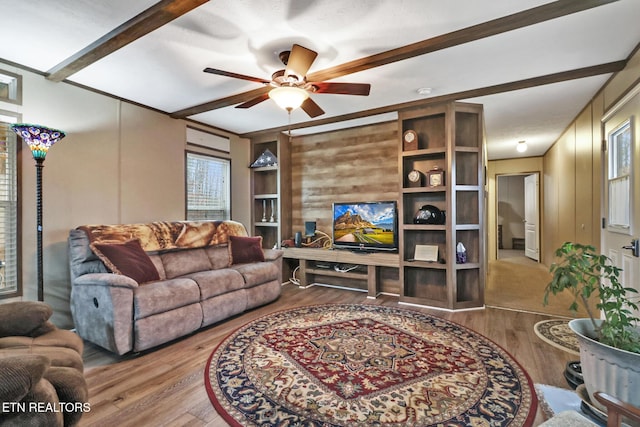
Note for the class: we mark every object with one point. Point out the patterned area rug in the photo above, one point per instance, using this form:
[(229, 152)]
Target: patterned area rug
[(365, 365), (557, 333)]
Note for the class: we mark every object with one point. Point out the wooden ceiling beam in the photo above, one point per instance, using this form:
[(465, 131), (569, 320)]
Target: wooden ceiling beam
[(595, 70), (149, 20), (494, 27), (504, 24)]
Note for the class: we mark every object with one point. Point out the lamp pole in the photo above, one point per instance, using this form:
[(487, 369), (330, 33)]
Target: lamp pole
[(39, 139), (40, 267)]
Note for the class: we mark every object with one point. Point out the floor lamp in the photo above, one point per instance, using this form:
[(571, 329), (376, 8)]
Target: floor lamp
[(39, 139)]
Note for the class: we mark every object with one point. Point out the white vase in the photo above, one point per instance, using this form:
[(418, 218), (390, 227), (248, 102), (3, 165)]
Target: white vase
[(605, 368)]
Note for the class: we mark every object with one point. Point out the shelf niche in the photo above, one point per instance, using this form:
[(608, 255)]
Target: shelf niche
[(270, 192)]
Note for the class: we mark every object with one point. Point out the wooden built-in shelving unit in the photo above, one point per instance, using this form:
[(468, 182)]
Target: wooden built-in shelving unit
[(450, 138), (271, 195)]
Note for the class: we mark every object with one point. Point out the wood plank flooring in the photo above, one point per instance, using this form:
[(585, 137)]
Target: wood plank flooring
[(165, 387)]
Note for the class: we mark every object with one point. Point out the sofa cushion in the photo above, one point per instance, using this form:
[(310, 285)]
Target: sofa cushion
[(219, 256), (163, 327), (179, 263), (157, 263), (262, 294), (23, 317), (257, 273), (164, 295), (56, 338), (217, 282), (223, 306), (61, 338), (127, 259), (58, 356), (245, 249)]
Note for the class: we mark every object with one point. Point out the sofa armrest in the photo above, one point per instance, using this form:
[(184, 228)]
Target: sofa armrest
[(272, 254), (105, 279), (275, 256), (18, 374), (102, 310)]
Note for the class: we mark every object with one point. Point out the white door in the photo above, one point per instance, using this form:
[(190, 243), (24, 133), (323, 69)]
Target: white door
[(621, 184), (531, 235)]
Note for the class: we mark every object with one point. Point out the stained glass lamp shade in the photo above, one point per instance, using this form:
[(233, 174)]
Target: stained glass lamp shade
[(39, 139)]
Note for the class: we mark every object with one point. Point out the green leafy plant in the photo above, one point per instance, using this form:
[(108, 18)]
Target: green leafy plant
[(583, 272)]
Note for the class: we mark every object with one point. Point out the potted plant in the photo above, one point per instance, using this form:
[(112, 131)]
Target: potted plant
[(609, 340)]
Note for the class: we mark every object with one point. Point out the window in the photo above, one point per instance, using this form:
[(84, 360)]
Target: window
[(10, 87), (620, 178), (9, 262), (208, 187)]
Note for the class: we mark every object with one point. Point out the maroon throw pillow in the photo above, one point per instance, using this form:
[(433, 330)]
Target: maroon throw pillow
[(245, 249), (127, 259)]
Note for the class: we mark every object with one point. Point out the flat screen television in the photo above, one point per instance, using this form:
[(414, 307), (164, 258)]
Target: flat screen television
[(365, 226)]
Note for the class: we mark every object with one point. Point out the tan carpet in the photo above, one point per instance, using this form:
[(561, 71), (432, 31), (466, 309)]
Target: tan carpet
[(518, 283)]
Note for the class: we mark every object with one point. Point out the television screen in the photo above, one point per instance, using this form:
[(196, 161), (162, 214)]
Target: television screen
[(365, 225)]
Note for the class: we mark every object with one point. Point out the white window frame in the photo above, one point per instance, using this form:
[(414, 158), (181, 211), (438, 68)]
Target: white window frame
[(10, 269), (619, 179)]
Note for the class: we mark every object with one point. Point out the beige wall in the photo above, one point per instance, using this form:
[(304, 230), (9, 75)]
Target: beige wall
[(118, 163), (573, 170)]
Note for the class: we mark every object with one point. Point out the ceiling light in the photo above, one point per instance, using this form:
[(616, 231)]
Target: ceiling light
[(521, 147), (424, 91), (288, 97)]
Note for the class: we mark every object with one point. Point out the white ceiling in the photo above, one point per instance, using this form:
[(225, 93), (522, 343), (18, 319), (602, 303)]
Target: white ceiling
[(163, 69)]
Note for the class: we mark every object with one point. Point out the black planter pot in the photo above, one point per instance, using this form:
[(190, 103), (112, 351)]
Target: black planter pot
[(573, 374)]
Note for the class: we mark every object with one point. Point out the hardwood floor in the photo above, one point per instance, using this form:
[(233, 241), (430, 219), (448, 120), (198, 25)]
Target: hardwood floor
[(165, 387)]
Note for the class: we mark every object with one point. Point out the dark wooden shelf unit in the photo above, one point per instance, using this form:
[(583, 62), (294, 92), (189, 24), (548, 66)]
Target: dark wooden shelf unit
[(372, 268)]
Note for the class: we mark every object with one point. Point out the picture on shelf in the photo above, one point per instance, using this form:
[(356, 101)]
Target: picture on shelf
[(435, 177), (426, 253)]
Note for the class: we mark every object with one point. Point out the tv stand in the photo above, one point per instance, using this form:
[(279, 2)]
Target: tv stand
[(314, 261)]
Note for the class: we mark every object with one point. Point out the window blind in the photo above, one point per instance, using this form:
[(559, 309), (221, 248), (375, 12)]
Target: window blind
[(8, 211), (208, 187)]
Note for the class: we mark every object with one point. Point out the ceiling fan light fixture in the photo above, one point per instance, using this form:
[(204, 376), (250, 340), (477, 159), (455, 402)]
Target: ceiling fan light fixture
[(521, 147), (288, 97)]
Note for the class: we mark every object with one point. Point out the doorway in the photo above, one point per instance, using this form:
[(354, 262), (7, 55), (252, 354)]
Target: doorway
[(620, 183), (518, 216)]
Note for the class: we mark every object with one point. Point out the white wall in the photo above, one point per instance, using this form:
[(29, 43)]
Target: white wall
[(119, 163)]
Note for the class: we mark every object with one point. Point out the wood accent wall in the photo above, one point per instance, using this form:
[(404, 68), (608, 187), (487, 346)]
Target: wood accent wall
[(357, 164)]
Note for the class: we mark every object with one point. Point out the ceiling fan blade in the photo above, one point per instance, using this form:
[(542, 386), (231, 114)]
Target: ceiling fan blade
[(299, 62), (343, 88), (235, 75), (311, 108), (220, 103), (254, 101)]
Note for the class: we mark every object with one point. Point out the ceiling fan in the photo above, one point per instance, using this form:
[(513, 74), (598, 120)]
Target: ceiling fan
[(290, 88)]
